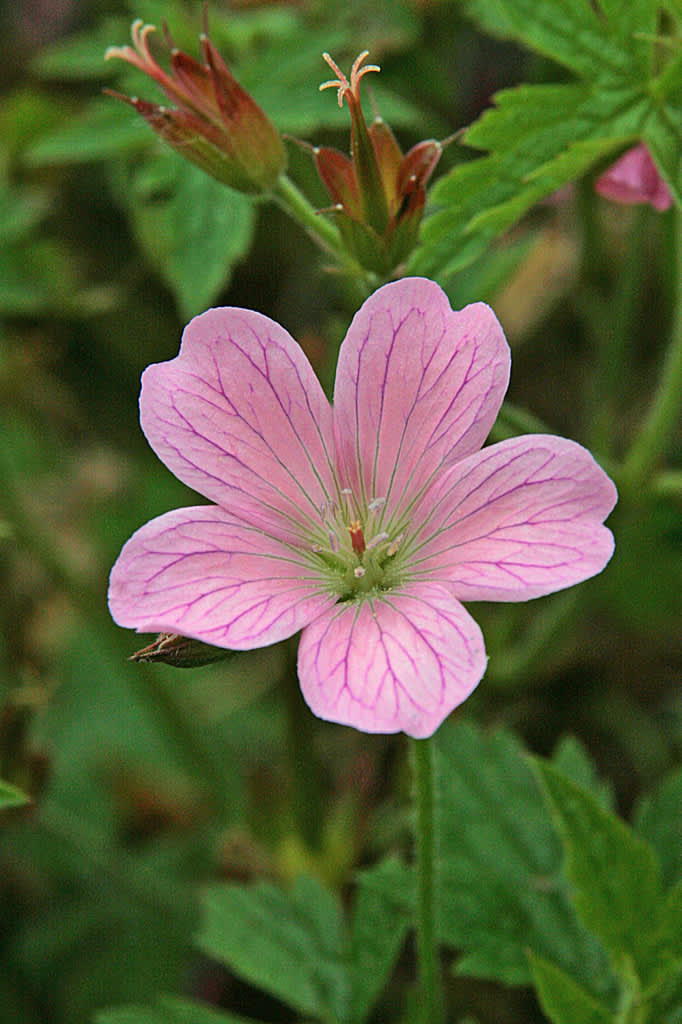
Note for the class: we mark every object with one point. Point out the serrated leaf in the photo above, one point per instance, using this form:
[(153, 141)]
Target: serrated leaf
[(618, 889), (562, 999), (658, 818), (288, 943), (382, 915), (582, 36), (168, 1010), (540, 137), (191, 228), (501, 888), (10, 796)]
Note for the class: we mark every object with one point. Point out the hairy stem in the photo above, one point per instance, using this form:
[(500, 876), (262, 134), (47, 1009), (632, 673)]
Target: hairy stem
[(289, 197)]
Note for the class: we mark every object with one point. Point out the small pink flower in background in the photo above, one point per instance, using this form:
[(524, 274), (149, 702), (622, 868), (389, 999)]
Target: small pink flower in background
[(365, 524), (634, 178)]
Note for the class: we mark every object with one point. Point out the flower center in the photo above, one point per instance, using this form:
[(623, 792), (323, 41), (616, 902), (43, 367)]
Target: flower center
[(358, 555)]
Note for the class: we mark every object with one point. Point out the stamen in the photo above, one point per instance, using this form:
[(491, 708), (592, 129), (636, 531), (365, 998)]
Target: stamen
[(359, 571), (376, 503), (378, 539), (393, 547)]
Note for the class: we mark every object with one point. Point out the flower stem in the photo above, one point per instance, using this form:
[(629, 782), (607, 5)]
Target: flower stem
[(664, 410), (291, 199), (430, 981), (325, 234)]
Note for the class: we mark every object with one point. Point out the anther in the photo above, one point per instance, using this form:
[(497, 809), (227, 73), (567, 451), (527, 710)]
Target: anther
[(393, 547)]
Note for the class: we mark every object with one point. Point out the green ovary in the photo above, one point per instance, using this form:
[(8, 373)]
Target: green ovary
[(359, 557), (355, 577)]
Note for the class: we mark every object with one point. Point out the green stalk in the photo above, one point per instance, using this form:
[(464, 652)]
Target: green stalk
[(426, 850), (290, 199), (664, 411)]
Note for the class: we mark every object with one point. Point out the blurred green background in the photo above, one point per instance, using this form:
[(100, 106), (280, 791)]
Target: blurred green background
[(148, 781)]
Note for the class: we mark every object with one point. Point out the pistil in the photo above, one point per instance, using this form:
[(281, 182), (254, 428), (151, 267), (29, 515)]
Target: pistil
[(357, 538)]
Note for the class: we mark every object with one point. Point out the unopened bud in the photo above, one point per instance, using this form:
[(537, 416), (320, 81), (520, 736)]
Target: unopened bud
[(180, 651)]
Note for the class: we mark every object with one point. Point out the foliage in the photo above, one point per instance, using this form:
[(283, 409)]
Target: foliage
[(540, 137)]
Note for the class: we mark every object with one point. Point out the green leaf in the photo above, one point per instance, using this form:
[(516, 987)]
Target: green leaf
[(106, 128), (21, 210), (81, 56), (562, 999), (573, 761), (618, 890), (382, 916), (657, 819), (191, 228), (10, 796), (540, 137), (582, 36), (168, 1010), (502, 891), (288, 943), (114, 917), (38, 274)]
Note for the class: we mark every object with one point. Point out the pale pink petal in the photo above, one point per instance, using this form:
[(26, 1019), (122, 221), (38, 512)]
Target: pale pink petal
[(240, 416), (417, 385), (634, 178), (399, 662), (517, 520), (201, 573)]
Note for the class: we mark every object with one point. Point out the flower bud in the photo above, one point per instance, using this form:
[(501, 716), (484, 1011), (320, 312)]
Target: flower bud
[(379, 193), (634, 178), (214, 123), (180, 651)]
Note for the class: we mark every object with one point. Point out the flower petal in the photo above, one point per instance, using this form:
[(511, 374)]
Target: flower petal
[(417, 385), (520, 519), (201, 573), (399, 662), (240, 416), (634, 178)]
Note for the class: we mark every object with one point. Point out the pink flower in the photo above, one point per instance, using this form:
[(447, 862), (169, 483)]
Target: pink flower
[(634, 178), (365, 524)]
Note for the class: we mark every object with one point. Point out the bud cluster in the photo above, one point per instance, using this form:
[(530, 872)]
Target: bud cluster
[(378, 192)]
